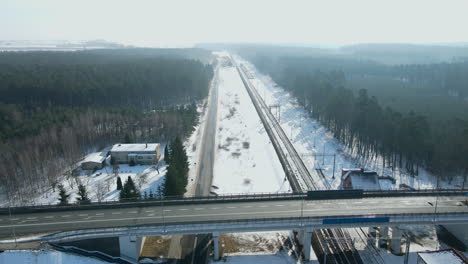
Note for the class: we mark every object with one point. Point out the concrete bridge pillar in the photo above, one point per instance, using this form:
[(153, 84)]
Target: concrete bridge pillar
[(371, 236), (383, 236), (216, 245), (130, 247), (307, 244), (395, 243)]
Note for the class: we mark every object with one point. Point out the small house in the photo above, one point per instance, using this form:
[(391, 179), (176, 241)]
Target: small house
[(94, 161), (147, 153), (359, 179)]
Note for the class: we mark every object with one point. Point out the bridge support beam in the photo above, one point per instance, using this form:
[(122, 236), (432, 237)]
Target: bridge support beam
[(130, 247), (307, 243), (395, 243), (371, 236), (216, 245), (383, 236)]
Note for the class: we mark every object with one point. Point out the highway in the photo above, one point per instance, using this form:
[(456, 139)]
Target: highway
[(184, 249), (47, 222)]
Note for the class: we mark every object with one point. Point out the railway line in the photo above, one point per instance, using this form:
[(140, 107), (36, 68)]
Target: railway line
[(341, 250)]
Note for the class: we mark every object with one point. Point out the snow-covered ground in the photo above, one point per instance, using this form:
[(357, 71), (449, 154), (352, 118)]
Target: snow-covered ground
[(44, 257), (245, 159), (245, 162), (102, 184)]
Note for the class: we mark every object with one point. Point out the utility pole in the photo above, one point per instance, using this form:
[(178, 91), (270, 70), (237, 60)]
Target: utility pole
[(323, 157), (334, 159)]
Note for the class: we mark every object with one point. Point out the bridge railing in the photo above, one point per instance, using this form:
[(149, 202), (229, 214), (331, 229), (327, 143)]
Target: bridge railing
[(254, 224), (251, 197)]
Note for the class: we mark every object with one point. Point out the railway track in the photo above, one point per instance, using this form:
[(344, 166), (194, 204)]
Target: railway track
[(297, 168), (340, 250)]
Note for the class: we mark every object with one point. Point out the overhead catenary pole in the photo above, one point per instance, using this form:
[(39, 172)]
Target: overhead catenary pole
[(334, 159)]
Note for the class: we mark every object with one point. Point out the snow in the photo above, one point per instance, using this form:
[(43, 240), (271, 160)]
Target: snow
[(45, 257), (102, 184), (135, 147), (311, 140), (441, 257), (279, 258), (365, 182), (97, 157), (245, 162), (245, 159)]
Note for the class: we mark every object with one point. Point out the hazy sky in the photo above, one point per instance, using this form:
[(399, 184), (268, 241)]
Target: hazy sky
[(181, 23)]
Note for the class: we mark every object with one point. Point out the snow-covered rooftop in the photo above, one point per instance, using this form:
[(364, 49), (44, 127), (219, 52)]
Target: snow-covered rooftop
[(365, 181), (97, 157), (135, 147), (441, 257)]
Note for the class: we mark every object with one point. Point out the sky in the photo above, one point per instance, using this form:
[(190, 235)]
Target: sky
[(170, 23)]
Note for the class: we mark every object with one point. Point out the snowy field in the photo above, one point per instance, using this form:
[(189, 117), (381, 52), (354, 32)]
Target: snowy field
[(245, 163), (44, 257), (102, 184), (245, 159)]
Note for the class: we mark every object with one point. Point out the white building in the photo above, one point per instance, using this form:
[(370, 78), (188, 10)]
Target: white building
[(94, 161), (147, 153)]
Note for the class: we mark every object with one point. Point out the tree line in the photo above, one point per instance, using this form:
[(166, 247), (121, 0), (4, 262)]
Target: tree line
[(43, 134), (406, 139)]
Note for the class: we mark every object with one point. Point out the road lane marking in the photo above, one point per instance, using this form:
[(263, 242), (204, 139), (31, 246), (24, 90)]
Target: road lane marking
[(133, 212), (100, 214), (116, 213), (48, 217), (167, 210), (83, 215), (263, 206), (214, 208), (231, 207), (279, 205), (149, 211), (183, 209), (166, 217), (30, 218), (199, 208), (66, 215), (248, 206)]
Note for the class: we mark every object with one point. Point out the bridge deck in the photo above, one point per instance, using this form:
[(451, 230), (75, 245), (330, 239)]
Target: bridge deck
[(397, 209)]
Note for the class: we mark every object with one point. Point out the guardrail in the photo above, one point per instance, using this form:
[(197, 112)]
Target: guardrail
[(255, 224), (255, 197)]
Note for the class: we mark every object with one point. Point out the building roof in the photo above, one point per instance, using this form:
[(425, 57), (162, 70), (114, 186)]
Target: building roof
[(97, 157), (135, 147), (444, 256), (362, 179)]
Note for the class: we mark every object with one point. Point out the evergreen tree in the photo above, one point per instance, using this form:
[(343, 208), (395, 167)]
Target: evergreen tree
[(119, 184), (129, 190), (177, 171), (167, 154), (82, 195), (63, 196)]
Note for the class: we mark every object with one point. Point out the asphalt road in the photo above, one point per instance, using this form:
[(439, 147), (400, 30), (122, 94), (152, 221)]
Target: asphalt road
[(187, 249), (47, 222)]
